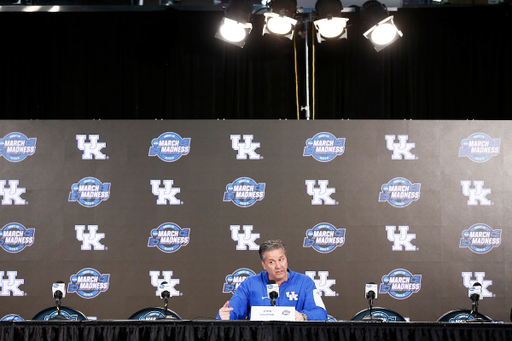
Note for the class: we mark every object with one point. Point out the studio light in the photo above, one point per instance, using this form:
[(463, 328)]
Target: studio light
[(383, 31), (280, 20), (330, 24), (236, 24)]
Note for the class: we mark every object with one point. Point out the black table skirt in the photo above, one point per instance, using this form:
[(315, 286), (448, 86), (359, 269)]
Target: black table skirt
[(245, 330)]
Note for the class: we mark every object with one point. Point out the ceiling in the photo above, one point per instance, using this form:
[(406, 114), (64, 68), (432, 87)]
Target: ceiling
[(202, 5)]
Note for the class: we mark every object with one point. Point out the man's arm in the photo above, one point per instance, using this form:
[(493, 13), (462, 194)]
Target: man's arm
[(236, 308), (224, 312), (314, 307)]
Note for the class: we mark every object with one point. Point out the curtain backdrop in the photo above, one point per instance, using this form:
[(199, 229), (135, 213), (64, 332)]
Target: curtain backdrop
[(452, 63)]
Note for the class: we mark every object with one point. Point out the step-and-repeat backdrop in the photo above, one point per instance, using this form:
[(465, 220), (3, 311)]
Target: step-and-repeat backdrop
[(112, 208)]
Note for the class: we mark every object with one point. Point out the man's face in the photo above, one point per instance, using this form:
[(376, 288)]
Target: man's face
[(276, 264)]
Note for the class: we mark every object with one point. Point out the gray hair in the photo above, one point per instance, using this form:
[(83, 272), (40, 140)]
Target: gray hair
[(270, 245)]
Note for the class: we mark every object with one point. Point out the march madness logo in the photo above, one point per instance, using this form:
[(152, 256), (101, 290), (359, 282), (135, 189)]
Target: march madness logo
[(88, 283), (324, 147), (400, 284), (479, 147), (480, 238), (12, 317), (63, 312), (399, 192), (169, 237), (244, 192), (89, 192), (15, 237), (234, 280), (324, 238), (169, 147), (15, 147)]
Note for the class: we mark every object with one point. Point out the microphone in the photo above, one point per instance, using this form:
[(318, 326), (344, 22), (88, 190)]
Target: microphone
[(164, 290), (272, 292), (59, 290), (475, 293), (370, 291)]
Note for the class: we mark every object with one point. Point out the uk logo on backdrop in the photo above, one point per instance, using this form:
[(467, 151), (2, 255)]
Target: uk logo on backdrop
[(93, 147), (402, 149), (480, 238), (247, 149), (324, 238), (476, 194), (321, 194), (324, 147), (169, 237), (165, 276), (402, 241), (89, 192), (323, 283), (167, 193), (479, 147), (169, 147), (16, 147), (400, 192), (15, 237), (246, 240), (88, 283), (12, 194), (468, 281), (90, 240), (236, 278), (244, 192), (10, 286), (400, 284)]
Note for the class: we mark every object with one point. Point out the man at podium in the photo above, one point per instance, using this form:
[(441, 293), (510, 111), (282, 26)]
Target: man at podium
[(295, 289)]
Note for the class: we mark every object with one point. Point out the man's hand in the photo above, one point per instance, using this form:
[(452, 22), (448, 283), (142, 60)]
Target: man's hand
[(224, 311), (298, 316)]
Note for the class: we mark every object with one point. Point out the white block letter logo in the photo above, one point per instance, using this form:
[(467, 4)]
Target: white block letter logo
[(402, 240), (91, 148), (13, 193), (400, 149), (480, 278), (476, 194), (156, 280), (247, 149), (11, 285), (165, 194), (321, 193), (322, 284), (245, 240), (89, 240)]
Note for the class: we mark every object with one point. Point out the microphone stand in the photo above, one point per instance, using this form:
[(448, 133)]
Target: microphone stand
[(474, 310), (370, 302), (370, 317), (166, 303), (166, 310), (59, 315)]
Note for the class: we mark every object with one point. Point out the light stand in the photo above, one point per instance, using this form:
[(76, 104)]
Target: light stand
[(307, 21)]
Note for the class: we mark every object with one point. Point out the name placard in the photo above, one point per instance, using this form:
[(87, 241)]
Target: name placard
[(259, 313)]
